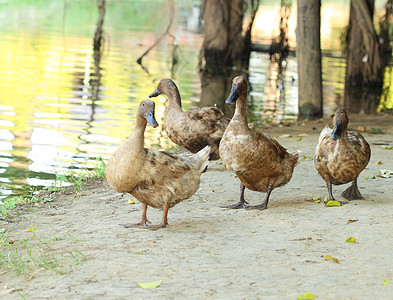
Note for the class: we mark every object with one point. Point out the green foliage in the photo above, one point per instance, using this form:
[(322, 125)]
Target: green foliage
[(8, 205), (30, 255), (76, 181)]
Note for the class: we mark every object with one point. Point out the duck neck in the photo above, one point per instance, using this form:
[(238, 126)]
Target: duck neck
[(137, 138), (344, 137), (241, 111), (174, 99)]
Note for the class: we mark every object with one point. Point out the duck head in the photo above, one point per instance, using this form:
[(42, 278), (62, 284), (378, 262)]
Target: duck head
[(340, 122), (164, 87), (239, 87), (146, 111)]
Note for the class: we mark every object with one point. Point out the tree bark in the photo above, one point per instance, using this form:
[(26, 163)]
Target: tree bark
[(225, 44), (308, 51), (368, 55), (363, 61)]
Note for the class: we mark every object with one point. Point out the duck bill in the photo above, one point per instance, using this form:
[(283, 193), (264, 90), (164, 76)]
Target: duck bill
[(337, 131), (151, 119), (233, 96), (154, 94)]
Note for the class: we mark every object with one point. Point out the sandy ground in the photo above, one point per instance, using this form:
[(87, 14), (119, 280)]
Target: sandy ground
[(210, 252)]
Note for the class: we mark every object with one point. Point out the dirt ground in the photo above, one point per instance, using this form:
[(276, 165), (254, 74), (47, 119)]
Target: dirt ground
[(209, 252)]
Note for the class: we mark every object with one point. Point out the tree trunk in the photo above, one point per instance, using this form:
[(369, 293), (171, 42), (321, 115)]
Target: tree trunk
[(368, 55), (308, 51), (225, 44)]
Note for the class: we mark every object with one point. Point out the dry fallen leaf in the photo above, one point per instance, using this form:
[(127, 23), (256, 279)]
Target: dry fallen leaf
[(387, 147), (30, 229), (385, 282), (351, 240), (379, 163), (150, 285), (328, 257), (302, 135), (283, 136), (333, 203), (362, 129), (351, 221), (306, 296), (317, 199), (130, 201), (385, 173)]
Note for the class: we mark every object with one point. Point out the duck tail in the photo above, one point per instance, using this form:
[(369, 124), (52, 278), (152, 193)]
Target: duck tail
[(203, 157), (295, 156)]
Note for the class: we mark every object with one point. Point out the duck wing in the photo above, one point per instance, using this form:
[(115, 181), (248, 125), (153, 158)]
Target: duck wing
[(260, 152), (161, 163), (280, 150), (360, 144), (209, 113)]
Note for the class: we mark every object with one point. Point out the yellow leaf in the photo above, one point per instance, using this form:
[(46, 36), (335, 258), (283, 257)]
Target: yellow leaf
[(328, 257), (379, 163), (30, 229), (333, 203), (150, 285), (306, 296), (385, 282), (130, 201), (299, 138), (351, 240), (325, 199), (302, 135), (283, 136)]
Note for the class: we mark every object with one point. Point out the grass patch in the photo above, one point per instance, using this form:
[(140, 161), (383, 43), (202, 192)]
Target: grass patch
[(9, 205), (75, 182), (33, 254)]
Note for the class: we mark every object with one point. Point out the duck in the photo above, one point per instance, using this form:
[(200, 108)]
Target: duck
[(155, 178), (193, 129), (340, 156), (258, 160)]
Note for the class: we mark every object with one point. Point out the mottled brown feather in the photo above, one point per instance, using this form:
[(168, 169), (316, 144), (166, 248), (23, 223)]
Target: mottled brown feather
[(342, 160), (257, 159), (193, 129)]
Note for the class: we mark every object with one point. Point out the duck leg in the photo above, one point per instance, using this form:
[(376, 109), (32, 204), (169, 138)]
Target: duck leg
[(164, 221), (242, 203), (263, 205), (352, 192), (144, 220), (331, 198)]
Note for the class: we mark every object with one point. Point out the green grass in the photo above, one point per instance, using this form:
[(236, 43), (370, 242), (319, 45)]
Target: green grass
[(76, 182), (9, 205), (33, 254)]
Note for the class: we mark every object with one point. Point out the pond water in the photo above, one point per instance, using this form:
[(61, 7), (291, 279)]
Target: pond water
[(62, 106)]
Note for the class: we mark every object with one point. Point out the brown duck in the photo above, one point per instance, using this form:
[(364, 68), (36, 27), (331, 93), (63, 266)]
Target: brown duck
[(193, 129), (340, 156), (156, 178), (258, 160)]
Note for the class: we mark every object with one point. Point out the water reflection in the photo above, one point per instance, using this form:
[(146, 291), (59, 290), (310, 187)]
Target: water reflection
[(216, 89)]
